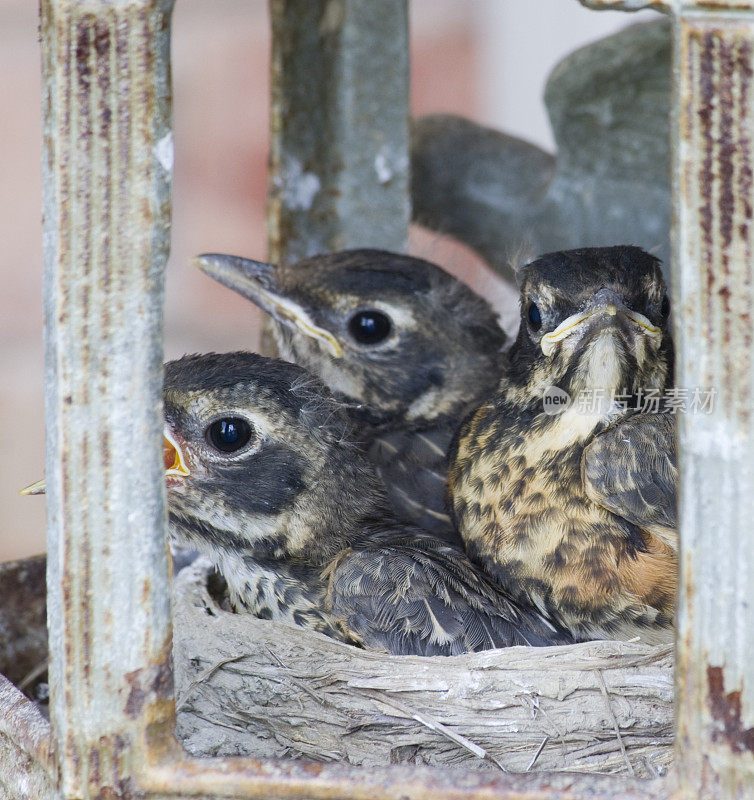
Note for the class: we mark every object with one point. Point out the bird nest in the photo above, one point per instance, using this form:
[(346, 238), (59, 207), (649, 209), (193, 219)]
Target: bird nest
[(246, 686)]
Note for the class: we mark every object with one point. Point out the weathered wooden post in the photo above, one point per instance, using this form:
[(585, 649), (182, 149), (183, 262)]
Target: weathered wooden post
[(713, 266)]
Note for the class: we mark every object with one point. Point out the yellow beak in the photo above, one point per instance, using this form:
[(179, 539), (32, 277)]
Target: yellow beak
[(173, 458), (257, 281), (171, 455), (35, 488), (572, 323)]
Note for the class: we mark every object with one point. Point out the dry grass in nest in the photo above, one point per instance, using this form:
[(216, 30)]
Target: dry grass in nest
[(246, 686)]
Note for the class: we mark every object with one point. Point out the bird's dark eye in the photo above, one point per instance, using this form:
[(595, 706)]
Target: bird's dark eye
[(370, 326), (534, 317), (229, 434), (665, 307)]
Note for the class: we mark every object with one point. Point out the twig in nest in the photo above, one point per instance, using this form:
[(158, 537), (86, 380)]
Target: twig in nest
[(208, 673), (650, 767), (433, 725), (538, 753), (304, 688), (534, 700), (603, 688)]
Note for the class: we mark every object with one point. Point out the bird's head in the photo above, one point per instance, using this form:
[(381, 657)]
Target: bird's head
[(390, 331), (593, 319), (259, 459)]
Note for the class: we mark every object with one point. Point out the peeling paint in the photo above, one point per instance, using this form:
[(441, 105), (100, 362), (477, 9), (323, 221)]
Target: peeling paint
[(165, 152), (298, 189), (388, 163)]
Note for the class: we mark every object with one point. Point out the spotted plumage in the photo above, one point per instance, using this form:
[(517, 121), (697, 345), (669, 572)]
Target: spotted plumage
[(408, 346), (632, 470), (563, 509), (265, 477)]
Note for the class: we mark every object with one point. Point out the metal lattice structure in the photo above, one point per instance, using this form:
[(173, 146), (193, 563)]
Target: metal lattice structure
[(107, 172)]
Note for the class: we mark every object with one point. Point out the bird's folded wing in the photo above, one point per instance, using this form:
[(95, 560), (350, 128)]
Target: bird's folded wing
[(421, 597), (413, 464), (632, 470)]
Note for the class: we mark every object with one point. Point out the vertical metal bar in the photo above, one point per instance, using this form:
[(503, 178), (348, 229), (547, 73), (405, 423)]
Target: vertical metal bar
[(339, 143), (107, 167), (713, 287), (714, 302)]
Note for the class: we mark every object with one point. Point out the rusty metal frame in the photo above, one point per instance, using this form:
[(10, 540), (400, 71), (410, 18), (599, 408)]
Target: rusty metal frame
[(107, 174)]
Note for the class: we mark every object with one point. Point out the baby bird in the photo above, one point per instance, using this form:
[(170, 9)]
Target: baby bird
[(264, 476), (408, 346), (574, 512)]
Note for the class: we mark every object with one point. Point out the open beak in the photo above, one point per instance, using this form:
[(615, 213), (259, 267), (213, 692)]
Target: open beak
[(173, 458), (578, 322), (175, 465), (258, 281), (35, 488)]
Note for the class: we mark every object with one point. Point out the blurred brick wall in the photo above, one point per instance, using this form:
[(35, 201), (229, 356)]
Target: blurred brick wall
[(21, 404), (220, 73)]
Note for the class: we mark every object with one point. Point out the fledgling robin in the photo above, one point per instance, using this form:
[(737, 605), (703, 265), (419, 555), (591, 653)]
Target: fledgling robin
[(408, 346), (264, 477), (574, 512)]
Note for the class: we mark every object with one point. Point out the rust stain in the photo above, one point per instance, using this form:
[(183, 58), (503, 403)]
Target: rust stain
[(718, 73), (71, 749), (149, 686), (726, 712), (69, 657), (107, 768), (104, 448), (83, 69), (83, 74), (745, 182), (146, 591), (101, 37), (726, 200), (136, 699), (95, 777), (104, 49), (720, 5), (85, 616), (123, 783), (727, 146), (744, 68), (706, 177)]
